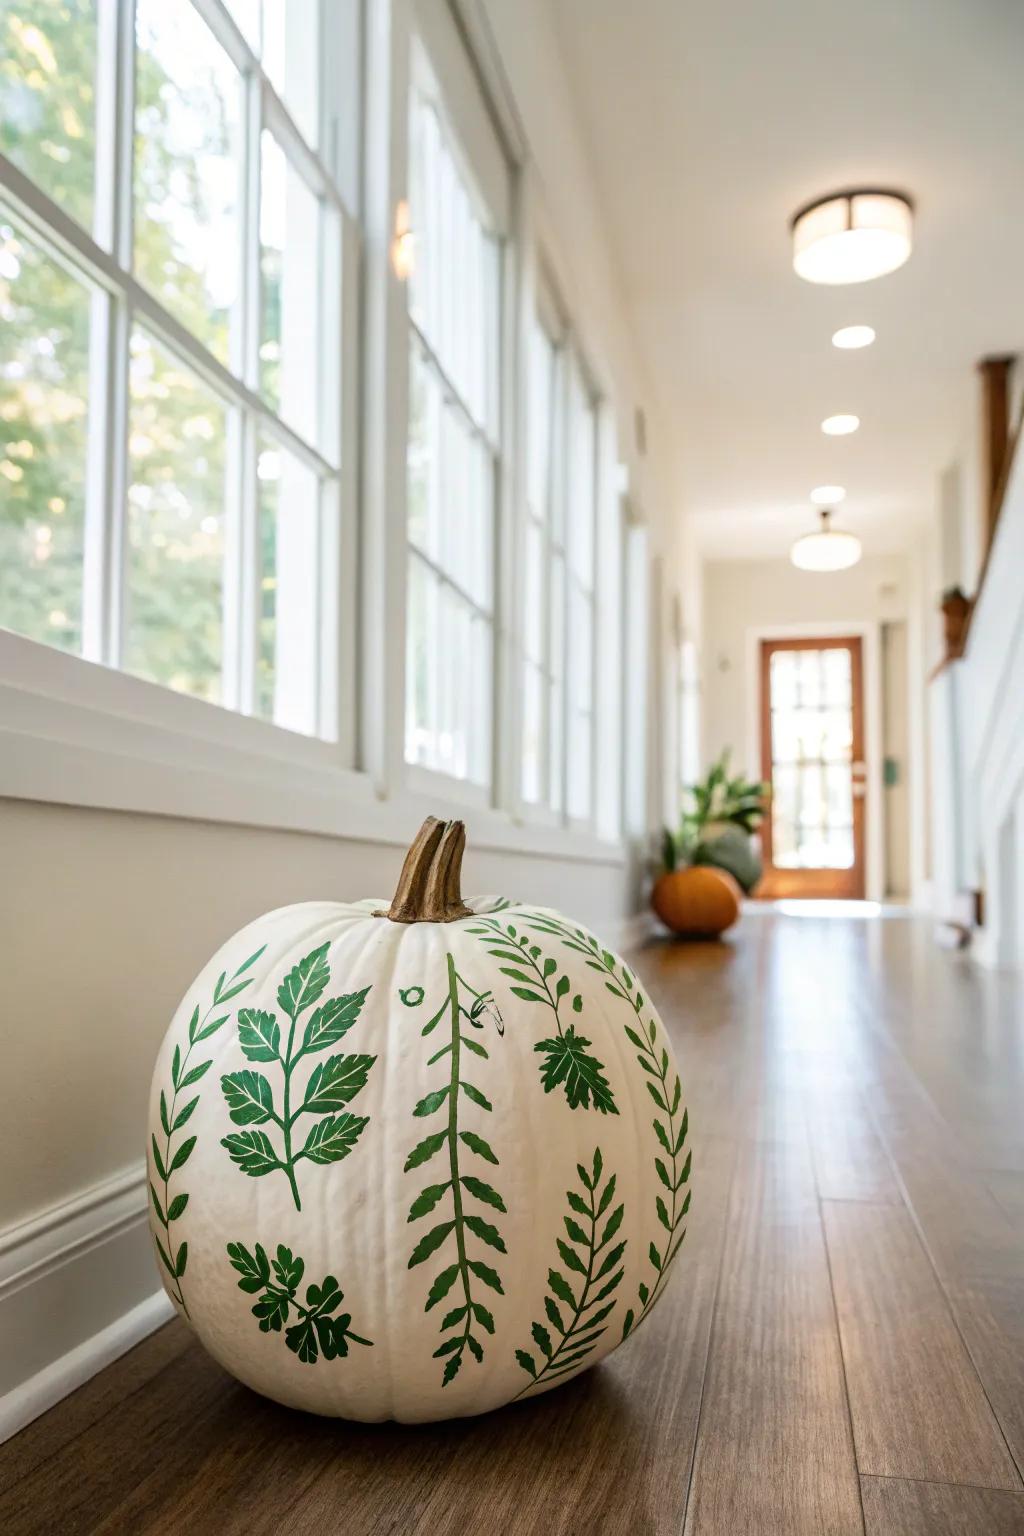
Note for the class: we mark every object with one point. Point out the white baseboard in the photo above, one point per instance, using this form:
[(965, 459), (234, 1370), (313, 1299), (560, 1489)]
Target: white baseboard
[(628, 932), (48, 1386), (77, 1289)]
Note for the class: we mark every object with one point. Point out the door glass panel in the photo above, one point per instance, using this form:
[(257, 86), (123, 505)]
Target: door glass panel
[(812, 750)]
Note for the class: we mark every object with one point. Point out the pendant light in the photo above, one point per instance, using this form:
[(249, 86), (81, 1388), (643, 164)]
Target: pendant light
[(829, 549), (852, 237)]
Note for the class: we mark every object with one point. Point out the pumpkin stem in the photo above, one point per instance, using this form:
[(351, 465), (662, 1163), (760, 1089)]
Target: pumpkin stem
[(429, 888)]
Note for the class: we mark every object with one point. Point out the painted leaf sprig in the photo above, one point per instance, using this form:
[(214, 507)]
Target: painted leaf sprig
[(170, 1157), (331, 1085), (318, 1328), (671, 1122), (467, 1237), (581, 1290), (566, 1062)]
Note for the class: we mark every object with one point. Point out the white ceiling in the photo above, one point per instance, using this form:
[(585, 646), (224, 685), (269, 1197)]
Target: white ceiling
[(708, 123)]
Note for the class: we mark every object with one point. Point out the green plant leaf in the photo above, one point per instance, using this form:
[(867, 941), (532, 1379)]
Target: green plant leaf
[(570, 1258), (165, 1123), (333, 1019), (325, 1297), (612, 1225), (486, 1274), (176, 1065), (554, 1316), (180, 1261), (253, 1152), (287, 1268), (215, 1024), (184, 1115), (432, 1102), (301, 1339), (272, 1311), (560, 1286), (426, 1149), (543, 1340), (485, 1232), (259, 1034), (193, 1025), (194, 1074), (526, 1362), (430, 1242), (483, 1191), (476, 1096), (427, 1199), (333, 1138), (335, 1082), (441, 1286), (483, 1317), (254, 1268), (454, 1316), (182, 1155), (475, 1144), (247, 963), (610, 1260), (451, 1370), (526, 996), (176, 1208), (249, 1097), (158, 1208), (305, 983), (566, 1062)]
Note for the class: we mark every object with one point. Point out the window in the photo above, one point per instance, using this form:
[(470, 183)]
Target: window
[(170, 387), (543, 776), (560, 587), (454, 444)]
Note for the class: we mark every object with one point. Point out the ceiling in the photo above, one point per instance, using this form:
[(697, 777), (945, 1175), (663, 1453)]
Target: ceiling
[(708, 125)]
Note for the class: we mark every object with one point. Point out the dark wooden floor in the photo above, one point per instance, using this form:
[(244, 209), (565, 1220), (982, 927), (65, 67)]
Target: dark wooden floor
[(841, 1349)]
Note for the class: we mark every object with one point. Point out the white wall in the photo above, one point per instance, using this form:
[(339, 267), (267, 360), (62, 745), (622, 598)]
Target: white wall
[(105, 917), (744, 600)]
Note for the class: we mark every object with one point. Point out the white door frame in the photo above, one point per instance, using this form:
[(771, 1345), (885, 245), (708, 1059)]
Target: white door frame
[(874, 756)]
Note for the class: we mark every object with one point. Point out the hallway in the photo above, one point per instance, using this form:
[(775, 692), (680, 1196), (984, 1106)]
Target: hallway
[(843, 1342)]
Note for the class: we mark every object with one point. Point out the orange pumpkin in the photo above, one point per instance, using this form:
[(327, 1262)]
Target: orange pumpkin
[(698, 902)]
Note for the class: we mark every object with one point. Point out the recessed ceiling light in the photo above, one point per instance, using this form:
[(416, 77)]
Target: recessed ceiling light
[(827, 495), (826, 550), (852, 337), (839, 426), (851, 237)]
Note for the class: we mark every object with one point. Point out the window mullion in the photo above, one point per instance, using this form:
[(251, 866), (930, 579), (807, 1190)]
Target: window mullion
[(242, 533), (103, 577)]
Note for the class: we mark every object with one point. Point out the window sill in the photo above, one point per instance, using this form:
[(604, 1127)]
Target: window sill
[(76, 733)]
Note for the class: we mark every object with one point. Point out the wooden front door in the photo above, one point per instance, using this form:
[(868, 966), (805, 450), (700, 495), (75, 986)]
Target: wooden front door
[(812, 754)]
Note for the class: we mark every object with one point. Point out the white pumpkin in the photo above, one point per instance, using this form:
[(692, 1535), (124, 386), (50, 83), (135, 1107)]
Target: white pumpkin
[(415, 1164)]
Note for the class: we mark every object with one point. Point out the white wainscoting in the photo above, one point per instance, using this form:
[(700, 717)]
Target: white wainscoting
[(78, 1287)]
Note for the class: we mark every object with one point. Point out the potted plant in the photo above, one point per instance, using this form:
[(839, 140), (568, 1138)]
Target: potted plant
[(711, 860)]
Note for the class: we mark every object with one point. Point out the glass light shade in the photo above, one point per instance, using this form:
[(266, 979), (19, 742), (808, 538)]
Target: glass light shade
[(840, 426), (827, 550), (852, 238), (852, 337), (828, 495)]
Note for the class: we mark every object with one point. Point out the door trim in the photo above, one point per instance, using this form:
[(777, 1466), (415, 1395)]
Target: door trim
[(868, 632), (827, 882)]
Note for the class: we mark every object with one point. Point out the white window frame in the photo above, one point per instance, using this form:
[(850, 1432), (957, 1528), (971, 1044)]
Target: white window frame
[(103, 261), (76, 732), (441, 72)]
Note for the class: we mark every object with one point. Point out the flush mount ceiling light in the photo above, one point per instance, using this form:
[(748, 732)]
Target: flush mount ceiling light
[(852, 337), (851, 237), (827, 495), (829, 549), (840, 426)]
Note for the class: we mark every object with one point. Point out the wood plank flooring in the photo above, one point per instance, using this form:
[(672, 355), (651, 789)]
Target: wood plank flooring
[(840, 1351)]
